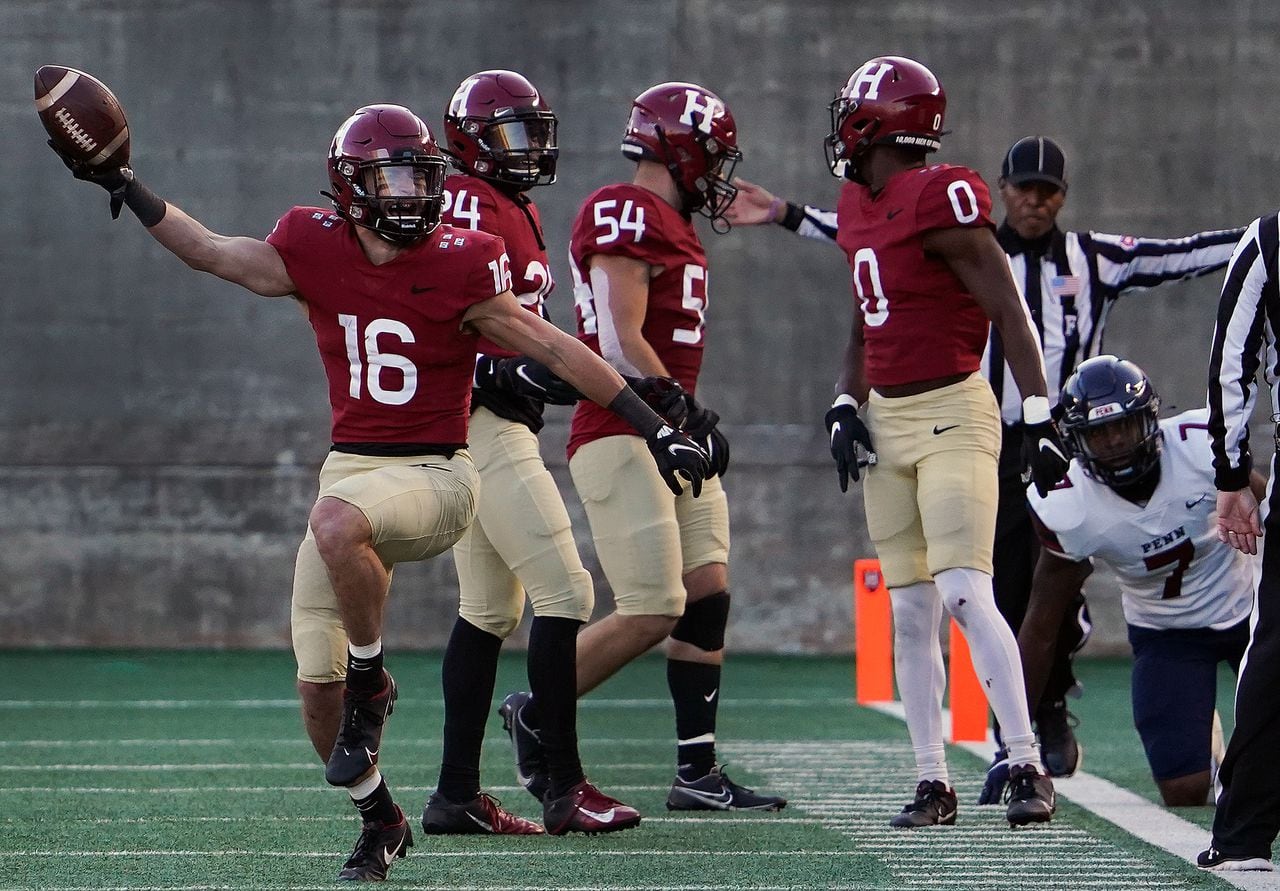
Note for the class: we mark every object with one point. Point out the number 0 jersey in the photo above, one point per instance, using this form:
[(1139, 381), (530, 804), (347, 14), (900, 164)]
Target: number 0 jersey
[(629, 221), (919, 321), (475, 204), (399, 367), (1173, 571)]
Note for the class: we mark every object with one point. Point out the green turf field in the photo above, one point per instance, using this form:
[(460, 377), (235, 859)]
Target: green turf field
[(191, 771)]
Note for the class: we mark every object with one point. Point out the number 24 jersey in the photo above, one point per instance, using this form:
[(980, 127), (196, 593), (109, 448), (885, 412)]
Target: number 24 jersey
[(630, 221), (919, 321), (1173, 571)]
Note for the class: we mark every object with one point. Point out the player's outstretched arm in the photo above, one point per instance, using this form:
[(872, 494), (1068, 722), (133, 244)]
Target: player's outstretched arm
[(248, 262), (754, 205), (1054, 586)]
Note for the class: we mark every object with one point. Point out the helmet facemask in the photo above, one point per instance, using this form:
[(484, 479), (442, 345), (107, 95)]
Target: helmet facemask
[(519, 150), (401, 199), (1115, 447)]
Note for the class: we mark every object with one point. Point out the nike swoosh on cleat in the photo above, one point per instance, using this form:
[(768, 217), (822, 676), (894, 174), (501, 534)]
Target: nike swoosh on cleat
[(481, 823), (389, 854), (372, 755), (604, 817), (722, 797), (712, 695)]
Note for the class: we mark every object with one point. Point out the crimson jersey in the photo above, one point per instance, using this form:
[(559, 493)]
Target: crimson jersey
[(399, 367), (474, 203), (919, 322), (630, 221)]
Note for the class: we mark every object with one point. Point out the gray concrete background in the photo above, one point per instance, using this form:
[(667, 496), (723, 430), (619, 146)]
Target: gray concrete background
[(160, 430)]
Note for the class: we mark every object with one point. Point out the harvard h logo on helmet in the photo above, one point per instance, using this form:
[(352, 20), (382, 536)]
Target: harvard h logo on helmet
[(689, 130), (387, 173), (890, 100), (499, 127)]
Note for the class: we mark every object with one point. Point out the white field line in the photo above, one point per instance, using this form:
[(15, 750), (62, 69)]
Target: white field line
[(299, 741), (1127, 810), (588, 703)]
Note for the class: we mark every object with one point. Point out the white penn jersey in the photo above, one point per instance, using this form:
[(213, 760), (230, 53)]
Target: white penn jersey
[(1173, 571)]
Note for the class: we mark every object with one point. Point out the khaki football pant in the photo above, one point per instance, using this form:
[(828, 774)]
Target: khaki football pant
[(931, 499), (521, 540), (418, 507)]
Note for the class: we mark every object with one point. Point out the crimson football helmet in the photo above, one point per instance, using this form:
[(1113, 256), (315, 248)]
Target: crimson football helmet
[(387, 173), (890, 100), (499, 127), (1110, 422), (689, 130)]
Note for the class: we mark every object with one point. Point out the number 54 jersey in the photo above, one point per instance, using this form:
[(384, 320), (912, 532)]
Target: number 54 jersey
[(1173, 571), (919, 321), (629, 221)]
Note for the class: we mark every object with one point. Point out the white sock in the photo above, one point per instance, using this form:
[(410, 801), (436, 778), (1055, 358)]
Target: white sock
[(917, 662), (968, 596), (366, 652)]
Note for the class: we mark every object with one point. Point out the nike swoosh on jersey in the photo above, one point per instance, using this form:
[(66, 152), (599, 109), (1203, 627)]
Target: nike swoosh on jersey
[(421, 289), (893, 213), (938, 430), (603, 817)]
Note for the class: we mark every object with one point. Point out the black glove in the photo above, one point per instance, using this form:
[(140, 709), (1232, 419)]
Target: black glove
[(1044, 456), (114, 179), (701, 427), (847, 434), (662, 394), (678, 456), (524, 377)]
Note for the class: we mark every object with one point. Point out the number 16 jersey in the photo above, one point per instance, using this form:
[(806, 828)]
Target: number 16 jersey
[(630, 221), (919, 321)]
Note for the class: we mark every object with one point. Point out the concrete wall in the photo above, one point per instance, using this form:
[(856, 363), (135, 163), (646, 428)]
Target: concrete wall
[(160, 430)]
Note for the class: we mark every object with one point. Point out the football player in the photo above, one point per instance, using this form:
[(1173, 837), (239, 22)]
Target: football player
[(641, 293), (1139, 496), (928, 274), (500, 135), (398, 303)]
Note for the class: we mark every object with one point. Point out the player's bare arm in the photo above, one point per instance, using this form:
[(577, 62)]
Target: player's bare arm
[(621, 289), (1054, 587), (754, 205), (244, 261), (975, 257), (853, 377)]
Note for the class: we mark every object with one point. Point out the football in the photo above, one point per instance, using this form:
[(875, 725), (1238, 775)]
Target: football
[(82, 117)]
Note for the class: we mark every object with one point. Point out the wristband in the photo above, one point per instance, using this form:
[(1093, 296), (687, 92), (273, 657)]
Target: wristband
[(632, 409), (846, 399), (793, 219), (1035, 410), (774, 206), (146, 205)]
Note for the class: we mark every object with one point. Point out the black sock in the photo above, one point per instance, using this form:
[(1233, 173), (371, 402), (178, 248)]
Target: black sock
[(553, 680), (695, 690), (378, 807), (364, 675), (468, 675)]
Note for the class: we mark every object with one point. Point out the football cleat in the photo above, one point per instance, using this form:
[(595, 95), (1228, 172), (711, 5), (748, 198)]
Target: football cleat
[(378, 845), (355, 751), (1216, 861), (531, 757), (584, 808), (1059, 749), (482, 815), (716, 792), (997, 780), (1031, 796), (934, 805)]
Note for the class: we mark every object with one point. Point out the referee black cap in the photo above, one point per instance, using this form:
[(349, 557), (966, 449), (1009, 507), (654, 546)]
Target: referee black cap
[(1035, 159)]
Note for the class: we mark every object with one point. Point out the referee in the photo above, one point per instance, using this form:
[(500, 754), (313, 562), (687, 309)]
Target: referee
[(1248, 816), (1069, 282)]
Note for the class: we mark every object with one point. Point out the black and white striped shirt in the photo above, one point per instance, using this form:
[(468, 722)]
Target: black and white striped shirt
[(1069, 281), (1247, 315)]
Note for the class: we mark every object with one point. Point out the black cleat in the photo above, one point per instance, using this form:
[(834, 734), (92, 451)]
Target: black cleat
[(584, 808), (1216, 861), (716, 792), (993, 787), (531, 757), (1031, 796), (378, 845), (1060, 751), (934, 805), (355, 751), (482, 815)]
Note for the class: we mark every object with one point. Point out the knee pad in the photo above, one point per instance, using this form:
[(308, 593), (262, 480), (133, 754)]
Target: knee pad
[(703, 622)]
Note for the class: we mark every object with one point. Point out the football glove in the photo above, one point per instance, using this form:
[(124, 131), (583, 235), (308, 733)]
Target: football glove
[(523, 377), (677, 456), (1043, 453), (701, 427), (662, 394), (114, 179), (849, 438)]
